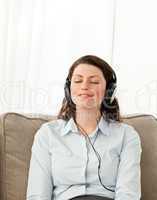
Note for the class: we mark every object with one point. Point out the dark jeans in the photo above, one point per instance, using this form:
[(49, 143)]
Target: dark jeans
[(91, 197)]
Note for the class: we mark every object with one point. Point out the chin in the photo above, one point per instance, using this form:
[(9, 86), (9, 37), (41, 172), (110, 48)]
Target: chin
[(85, 106)]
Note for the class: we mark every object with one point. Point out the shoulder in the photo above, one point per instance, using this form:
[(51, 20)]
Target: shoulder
[(130, 131), (57, 124), (47, 130), (126, 135), (48, 127), (53, 127), (124, 129)]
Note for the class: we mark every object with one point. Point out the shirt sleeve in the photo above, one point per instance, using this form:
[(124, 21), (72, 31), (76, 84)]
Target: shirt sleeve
[(128, 185), (40, 184)]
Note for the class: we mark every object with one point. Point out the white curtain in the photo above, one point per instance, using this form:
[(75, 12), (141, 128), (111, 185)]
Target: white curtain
[(40, 39), (135, 53)]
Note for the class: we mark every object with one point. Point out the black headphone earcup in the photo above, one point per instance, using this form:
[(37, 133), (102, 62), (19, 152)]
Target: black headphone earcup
[(113, 93), (110, 95), (67, 92)]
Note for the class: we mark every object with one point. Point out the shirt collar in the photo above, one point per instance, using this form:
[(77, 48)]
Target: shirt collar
[(70, 126)]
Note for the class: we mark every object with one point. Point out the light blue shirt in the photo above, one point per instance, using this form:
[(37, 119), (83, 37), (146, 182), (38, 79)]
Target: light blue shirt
[(63, 163)]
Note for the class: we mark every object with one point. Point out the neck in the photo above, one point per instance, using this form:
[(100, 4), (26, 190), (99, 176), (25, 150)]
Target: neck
[(87, 119)]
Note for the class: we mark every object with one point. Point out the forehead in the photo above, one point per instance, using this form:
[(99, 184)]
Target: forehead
[(87, 70)]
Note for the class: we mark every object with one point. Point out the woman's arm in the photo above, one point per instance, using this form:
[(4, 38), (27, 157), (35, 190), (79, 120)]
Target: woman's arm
[(128, 186), (40, 184)]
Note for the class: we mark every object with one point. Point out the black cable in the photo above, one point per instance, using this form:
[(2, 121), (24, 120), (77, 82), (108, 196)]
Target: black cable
[(97, 155)]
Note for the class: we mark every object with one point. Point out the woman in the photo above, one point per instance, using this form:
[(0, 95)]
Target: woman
[(88, 152)]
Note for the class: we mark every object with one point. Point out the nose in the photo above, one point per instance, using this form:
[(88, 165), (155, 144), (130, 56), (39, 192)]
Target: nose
[(84, 85)]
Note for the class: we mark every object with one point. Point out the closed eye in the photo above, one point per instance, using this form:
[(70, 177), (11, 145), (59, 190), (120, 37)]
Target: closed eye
[(93, 82), (77, 81)]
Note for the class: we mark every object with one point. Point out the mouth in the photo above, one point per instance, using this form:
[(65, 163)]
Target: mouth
[(86, 95)]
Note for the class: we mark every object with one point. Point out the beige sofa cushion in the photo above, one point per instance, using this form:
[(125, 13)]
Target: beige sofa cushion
[(146, 125), (16, 137)]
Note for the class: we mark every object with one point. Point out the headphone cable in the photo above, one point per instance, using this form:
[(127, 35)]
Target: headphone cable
[(96, 153)]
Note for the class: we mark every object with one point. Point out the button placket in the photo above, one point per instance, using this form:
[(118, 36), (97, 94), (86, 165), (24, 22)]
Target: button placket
[(85, 157)]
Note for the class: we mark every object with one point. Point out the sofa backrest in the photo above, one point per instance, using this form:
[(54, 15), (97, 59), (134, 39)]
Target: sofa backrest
[(16, 137), (146, 126)]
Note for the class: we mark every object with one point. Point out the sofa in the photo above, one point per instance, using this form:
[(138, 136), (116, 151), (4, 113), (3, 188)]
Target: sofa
[(17, 131)]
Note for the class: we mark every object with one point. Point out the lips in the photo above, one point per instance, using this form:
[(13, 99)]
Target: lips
[(85, 94)]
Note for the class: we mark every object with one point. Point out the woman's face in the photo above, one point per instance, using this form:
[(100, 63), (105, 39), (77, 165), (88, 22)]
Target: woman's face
[(88, 86)]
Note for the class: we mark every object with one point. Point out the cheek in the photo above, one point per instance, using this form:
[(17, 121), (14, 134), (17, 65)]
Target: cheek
[(74, 94), (74, 91), (100, 93)]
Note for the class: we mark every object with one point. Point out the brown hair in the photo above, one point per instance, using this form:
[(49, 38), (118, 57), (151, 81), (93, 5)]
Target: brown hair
[(109, 112)]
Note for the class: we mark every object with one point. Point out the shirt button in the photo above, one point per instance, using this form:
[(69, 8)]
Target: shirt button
[(87, 184)]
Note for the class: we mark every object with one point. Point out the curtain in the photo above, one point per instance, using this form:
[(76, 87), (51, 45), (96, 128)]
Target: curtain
[(134, 56), (39, 40)]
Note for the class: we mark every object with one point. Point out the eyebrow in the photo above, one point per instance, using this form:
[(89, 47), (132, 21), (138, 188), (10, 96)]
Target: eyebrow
[(92, 76)]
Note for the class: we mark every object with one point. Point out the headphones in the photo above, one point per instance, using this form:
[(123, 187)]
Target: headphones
[(110, 90)]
